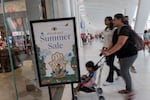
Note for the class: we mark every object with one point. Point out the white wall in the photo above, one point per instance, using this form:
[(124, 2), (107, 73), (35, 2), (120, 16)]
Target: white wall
[(97, 10), (142, 15)]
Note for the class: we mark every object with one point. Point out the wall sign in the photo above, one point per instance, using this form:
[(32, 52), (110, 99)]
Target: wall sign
[(56, 52)]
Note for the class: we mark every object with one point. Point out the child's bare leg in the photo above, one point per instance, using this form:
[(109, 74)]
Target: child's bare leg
[(78, 86), (148, 46)]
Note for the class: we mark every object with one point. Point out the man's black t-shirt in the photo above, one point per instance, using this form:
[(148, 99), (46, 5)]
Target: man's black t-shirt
[(129, 48)]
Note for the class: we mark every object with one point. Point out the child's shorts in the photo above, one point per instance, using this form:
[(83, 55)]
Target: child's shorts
[(87, 84)]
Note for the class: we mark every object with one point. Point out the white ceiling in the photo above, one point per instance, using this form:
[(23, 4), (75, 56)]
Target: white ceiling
[(93, 12)]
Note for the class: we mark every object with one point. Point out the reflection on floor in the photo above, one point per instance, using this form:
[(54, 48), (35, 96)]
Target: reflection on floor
[(24, 75), (88, 52)]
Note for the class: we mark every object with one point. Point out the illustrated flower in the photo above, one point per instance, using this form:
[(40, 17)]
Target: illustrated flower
[(48, 81), (44, 68), (74, 65), (70, 54), (58, 64), (65, 81), (44, 82), (68, 80)]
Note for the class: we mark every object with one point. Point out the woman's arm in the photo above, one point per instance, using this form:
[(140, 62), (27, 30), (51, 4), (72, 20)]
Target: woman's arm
[(121, 41)]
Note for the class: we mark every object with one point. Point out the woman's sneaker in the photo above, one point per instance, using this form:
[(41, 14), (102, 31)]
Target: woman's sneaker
[(118, 78), (133, 70), (107, 83)]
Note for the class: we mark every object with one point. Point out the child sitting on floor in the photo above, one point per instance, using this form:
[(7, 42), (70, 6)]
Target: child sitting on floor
[(87, 81)]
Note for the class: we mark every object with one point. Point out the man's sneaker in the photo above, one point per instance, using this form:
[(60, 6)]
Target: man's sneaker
[(107, 83)]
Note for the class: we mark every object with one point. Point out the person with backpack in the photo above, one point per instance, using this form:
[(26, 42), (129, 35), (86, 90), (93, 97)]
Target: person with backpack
[(125, 49), (126, 22)]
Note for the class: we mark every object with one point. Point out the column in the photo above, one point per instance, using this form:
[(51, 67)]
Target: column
[(49, 9), (68, 8), (62, 8), (73, 8), (78, 20), (34, 10), (142, 15), (130, 11)]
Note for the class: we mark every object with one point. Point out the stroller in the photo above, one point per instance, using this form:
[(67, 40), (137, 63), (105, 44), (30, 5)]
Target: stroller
[(97, 87)]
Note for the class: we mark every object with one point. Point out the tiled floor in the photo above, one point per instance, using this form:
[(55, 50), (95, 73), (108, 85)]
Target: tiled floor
[(88, 52)]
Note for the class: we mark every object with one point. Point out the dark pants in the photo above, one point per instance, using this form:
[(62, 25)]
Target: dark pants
[(125, 64), (110, 63)]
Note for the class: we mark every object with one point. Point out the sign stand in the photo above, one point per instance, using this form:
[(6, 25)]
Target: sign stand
[(50, 93), (72, 89), (56, 52)]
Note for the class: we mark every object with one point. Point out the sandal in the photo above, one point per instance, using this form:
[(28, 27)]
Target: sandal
[(124, 92), (130, 96)]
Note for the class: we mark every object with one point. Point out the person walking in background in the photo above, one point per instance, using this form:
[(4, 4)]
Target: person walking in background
[(89, 37), (124, 47), (146, 39), (127, 21), (108, 34)]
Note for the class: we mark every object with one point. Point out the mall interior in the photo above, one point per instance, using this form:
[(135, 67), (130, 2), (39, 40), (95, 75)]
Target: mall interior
[(20, 70)]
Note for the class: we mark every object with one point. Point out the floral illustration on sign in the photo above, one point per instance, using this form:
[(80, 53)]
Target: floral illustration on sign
[(58, 65)]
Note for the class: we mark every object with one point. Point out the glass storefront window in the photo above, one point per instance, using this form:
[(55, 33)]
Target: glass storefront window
[(18, 79)]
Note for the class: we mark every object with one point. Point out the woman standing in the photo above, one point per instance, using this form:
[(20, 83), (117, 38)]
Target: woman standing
[(124, 47), (108, 34)]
